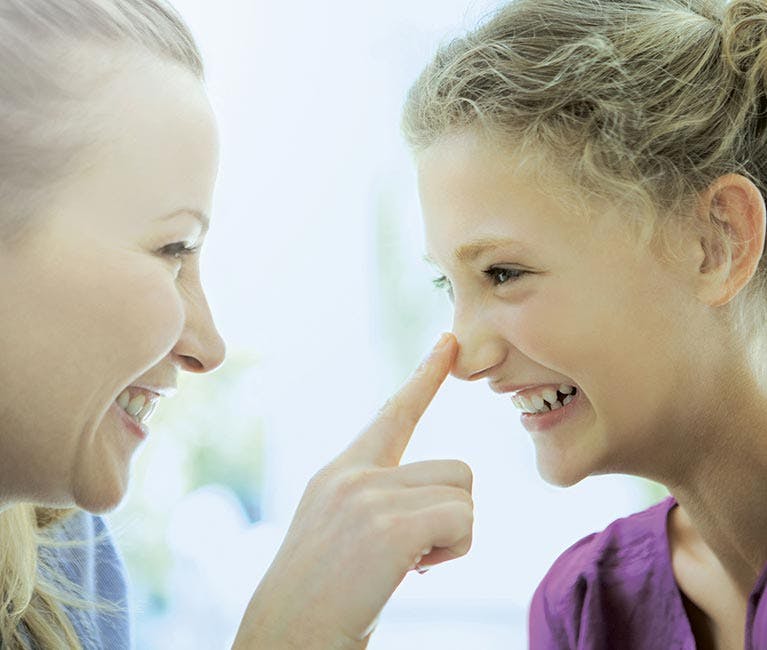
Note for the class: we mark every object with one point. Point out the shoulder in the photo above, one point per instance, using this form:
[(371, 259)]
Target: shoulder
[(600, 572), (96, 562), (84, 551)]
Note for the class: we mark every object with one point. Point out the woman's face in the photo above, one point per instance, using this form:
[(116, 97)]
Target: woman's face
[(590, 309), (99, 298)]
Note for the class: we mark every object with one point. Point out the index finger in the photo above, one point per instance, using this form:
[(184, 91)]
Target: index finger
[(385, 440)]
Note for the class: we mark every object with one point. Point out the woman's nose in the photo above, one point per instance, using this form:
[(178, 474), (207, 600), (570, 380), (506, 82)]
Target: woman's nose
[(481, 349), (200, 348)]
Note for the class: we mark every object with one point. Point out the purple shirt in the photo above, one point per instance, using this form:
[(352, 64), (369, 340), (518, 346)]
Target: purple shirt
[(616, 589)]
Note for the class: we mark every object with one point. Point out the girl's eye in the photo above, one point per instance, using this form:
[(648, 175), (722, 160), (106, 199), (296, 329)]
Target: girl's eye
[(501, 276), (178, 249)]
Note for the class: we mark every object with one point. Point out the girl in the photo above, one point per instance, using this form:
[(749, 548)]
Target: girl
[(592, 177)]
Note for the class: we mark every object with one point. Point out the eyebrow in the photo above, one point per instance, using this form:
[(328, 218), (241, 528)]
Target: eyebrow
[(197, 214), (472, 250)]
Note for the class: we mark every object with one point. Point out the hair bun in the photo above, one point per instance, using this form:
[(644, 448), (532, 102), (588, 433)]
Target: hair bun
[(744, 43)]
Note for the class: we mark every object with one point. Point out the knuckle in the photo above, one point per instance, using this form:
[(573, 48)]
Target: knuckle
[(387, 527), (321, 478), (352, 484), (463, 514), (463, 499), (380, 525), (463, 546), (466, 476)]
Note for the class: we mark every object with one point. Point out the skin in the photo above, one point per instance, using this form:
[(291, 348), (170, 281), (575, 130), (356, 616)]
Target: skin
[(604, 314), (91, 303), (94, 300), (364, 515)]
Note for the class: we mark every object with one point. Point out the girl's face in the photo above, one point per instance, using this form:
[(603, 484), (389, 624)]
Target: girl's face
[(544, 296), (101, 298)]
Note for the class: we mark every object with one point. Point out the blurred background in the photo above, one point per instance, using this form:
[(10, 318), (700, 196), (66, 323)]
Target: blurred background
[(314, 272)]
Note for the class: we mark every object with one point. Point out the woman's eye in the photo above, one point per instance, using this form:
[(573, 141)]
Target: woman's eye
[(443, 284), (178, 249), (501, 276)]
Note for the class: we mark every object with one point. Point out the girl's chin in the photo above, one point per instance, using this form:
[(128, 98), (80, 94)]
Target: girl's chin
[(560, 473)]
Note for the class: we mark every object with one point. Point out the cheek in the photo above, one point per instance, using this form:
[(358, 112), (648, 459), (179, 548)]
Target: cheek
[(578, 331), (554, 325), (145, 323), (119, 320)]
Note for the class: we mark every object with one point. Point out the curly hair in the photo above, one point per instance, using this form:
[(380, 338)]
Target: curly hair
[(639, 103)]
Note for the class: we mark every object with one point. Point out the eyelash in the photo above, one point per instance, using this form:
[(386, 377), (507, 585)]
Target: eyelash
[(493, 273), (444, 284), (178, 249)]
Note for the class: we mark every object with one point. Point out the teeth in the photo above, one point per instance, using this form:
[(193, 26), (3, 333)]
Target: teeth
[(124, 399), (146, 412), (140, 408), (136, 404), (550, 395), (535, 403)]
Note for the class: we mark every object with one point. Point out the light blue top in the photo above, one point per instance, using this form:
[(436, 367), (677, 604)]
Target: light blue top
[(96, 567)]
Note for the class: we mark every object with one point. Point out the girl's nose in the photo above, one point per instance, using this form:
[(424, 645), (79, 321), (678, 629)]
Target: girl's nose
[(481, 348)]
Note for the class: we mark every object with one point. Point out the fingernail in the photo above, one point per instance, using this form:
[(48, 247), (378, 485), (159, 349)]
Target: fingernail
[(422, 569)]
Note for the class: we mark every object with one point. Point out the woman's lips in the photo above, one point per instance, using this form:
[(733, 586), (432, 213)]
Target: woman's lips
[(130, 423)]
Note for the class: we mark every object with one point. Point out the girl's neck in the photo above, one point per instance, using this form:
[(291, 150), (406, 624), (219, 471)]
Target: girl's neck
[(723, 486)]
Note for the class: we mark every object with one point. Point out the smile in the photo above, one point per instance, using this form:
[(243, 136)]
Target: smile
[(544, 400), (138, 403)]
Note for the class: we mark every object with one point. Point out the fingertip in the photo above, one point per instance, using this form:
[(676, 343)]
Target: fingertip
[(446, 339), (450, 346), (447, 345), (442, 355)]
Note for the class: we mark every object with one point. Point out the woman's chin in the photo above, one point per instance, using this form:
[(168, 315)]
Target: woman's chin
[(101, 498)]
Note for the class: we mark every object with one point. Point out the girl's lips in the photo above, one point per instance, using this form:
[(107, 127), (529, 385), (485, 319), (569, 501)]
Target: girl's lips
[(139, 430), (536, 423)]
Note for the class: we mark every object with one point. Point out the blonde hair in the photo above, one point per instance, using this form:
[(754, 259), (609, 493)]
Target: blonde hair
[(45, 93), (639, 103)]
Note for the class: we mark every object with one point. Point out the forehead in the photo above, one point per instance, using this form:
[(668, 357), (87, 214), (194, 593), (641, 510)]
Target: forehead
[(477, 194), (154, 145)]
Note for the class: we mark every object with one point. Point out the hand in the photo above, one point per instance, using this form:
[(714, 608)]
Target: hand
[(362, 524)]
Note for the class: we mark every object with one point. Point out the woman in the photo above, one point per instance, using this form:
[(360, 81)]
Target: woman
[(592, 176), (109, 156)]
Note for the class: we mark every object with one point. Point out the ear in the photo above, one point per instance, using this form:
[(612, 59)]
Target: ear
[(734, 211)]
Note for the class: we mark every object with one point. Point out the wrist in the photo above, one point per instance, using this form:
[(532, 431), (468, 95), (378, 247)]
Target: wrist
[(275, 621)]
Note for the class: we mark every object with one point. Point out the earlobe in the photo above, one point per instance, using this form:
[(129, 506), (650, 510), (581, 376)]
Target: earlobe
[(734, 211)]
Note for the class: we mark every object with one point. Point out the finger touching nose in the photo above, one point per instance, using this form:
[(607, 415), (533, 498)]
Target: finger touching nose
[(200, 347), (387, 437)]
